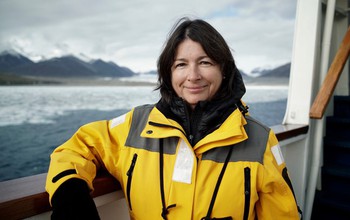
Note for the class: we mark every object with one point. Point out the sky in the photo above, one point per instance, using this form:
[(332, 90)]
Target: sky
[(132, 33)]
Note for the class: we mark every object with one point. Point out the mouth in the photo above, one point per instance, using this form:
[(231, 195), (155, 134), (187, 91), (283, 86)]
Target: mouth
[(195, 89)]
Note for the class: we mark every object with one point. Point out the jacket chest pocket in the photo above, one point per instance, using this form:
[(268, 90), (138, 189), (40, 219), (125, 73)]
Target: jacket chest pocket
[(129, 174)]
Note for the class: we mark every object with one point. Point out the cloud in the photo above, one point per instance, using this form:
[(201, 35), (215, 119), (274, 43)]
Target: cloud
[(132, 33)]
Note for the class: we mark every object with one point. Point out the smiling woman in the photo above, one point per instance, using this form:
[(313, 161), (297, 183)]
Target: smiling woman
[(197, 151)]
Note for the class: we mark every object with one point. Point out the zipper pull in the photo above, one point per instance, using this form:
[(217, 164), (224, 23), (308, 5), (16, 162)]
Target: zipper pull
[(190, 138), (133, 162)]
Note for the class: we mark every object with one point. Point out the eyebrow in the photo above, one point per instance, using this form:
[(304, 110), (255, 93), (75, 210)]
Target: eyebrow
[(199, 58)]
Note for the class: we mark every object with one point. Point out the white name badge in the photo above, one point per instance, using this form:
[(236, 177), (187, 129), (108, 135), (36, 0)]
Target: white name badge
[(184, 164)]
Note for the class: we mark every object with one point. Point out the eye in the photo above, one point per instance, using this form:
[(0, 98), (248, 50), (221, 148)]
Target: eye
[(179, 65), (206, 63)]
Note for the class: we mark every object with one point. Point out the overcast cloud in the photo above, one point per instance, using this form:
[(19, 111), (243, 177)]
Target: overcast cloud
[(131, 33)]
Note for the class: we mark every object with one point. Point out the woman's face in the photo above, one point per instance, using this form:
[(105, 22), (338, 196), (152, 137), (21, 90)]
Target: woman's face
[(194, 76)]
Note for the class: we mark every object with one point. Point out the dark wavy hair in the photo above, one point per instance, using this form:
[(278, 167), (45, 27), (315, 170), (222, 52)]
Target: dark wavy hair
[(213, 44)]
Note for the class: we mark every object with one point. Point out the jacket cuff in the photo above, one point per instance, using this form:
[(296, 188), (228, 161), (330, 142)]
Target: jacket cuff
[(72, 200)]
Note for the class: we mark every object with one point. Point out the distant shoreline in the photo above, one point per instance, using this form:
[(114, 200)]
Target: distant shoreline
[(11, 80)]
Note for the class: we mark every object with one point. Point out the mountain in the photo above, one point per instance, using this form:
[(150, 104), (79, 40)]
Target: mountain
[(259, 71), (9, 59), (281, 71), (277, 76), (67, 66), (111, 69)]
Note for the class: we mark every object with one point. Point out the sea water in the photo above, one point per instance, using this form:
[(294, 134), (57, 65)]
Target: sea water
[(34, 120)]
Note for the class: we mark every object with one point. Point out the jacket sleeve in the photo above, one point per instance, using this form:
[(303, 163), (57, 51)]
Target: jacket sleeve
[(79, 157), (276, 196)]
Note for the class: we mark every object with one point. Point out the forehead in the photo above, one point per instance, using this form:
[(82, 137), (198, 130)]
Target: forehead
[(189, 48)]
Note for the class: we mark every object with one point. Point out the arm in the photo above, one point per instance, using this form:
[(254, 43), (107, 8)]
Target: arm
[(72, 169), (276, 197)]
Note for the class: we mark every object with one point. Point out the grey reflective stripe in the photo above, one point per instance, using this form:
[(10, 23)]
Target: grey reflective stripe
[(252, 149), (138, 123)]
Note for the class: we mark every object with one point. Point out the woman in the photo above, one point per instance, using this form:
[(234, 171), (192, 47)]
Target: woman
[(196, 154)]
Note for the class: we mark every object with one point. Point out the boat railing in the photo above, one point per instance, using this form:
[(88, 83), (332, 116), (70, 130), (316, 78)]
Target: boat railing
[(318, 108), (25, 197), (326, 91)]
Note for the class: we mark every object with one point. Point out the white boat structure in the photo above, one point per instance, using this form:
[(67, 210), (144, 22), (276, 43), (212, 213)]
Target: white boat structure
[(315, 133)]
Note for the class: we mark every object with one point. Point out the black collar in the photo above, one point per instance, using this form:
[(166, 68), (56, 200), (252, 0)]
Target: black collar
[(204, 119)]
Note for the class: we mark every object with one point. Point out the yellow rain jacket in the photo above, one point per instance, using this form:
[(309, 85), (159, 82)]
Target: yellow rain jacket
[(235, 172)]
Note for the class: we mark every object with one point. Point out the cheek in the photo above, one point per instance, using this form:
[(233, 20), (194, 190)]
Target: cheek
[(216, 79), (175, 84), (217, 84), (176, 79)]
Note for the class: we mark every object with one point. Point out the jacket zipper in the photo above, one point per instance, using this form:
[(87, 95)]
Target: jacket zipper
[(190, 130), (246, 192), (129, 174)]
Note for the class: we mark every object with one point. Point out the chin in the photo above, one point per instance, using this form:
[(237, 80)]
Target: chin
[(195, 102)]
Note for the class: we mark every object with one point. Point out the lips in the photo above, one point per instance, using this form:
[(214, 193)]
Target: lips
[(195, 89)]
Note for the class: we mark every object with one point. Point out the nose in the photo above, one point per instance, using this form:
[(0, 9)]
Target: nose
[(194, 73)]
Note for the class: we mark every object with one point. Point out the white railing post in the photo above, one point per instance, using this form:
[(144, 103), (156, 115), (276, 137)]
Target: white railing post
[(317, 142)]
